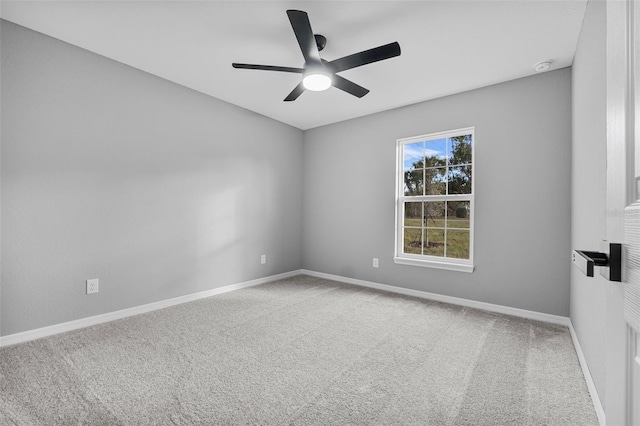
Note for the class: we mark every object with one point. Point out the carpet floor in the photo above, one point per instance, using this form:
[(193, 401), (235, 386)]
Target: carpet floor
[(300, 351)]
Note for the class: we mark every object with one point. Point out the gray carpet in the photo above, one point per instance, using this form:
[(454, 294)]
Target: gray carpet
[(300, 351)]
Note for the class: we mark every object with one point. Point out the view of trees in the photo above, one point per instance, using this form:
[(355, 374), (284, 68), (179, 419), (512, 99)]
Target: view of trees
[(439, 172), (430, 174)]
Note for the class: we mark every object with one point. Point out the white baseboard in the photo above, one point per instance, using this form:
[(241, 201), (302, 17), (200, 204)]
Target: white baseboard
[(26, 336), (595, 398), (516, 312)]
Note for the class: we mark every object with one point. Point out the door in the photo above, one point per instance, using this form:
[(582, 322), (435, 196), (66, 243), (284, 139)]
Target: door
[(622, 398)]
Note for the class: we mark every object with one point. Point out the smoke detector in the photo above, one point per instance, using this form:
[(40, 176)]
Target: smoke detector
[(542, 66)]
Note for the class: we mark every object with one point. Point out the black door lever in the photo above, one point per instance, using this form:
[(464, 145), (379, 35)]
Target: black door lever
[(611, 261)]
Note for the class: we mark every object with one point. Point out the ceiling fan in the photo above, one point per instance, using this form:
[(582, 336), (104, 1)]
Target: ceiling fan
[(319, 74)]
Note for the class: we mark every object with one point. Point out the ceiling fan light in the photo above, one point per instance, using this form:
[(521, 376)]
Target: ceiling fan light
[(316, 82)]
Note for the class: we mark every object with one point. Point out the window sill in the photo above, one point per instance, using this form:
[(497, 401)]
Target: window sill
[(434, 264)]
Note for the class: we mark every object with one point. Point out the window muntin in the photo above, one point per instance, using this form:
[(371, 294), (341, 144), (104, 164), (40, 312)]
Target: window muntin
[(435, 200)]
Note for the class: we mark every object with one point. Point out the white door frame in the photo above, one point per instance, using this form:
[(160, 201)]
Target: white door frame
[(622, 190)]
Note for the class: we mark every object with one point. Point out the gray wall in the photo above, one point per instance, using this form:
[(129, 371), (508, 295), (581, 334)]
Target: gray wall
[(157, 190), (160, 191), (588, 182), (522, 172)]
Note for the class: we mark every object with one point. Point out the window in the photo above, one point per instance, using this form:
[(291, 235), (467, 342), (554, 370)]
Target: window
[(434, 215)]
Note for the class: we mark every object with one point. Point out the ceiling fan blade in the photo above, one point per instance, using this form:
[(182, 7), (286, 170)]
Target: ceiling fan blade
[(349, 86), (302, 29), (295, 93), (267, 68), (366, 57)]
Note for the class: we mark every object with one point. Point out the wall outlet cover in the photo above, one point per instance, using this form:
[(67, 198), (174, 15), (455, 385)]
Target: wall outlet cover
[(92, 286)]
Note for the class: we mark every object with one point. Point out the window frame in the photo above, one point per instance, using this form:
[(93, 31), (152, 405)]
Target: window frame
[(438, 262)]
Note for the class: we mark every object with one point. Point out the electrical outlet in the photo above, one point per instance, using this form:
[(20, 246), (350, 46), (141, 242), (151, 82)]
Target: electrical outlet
[(263, 259), (92, 286), (375, 262)]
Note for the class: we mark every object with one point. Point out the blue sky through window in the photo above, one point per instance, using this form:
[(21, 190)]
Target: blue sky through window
[(416, 151), (436, 148), (412, 152)]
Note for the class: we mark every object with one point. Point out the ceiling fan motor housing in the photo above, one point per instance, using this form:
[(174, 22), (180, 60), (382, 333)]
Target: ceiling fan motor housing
[(321, 41)]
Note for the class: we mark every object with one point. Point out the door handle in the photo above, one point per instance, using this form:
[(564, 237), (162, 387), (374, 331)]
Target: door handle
[(610, 259)]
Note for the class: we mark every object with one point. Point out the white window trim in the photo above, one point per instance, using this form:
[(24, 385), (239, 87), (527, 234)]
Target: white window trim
[(452, 264)]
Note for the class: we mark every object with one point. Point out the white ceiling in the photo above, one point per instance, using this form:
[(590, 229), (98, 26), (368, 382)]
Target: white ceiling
[(447, 46)]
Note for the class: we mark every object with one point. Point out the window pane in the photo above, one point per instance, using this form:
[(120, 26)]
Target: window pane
[(435, 181), (413, 182), (434, 214), (413, 240), (458, 243), (458, 214), (435, 153), (413, 214), (413, 156), (459, 150), (434, 242), (436, 196), (460, 180)]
